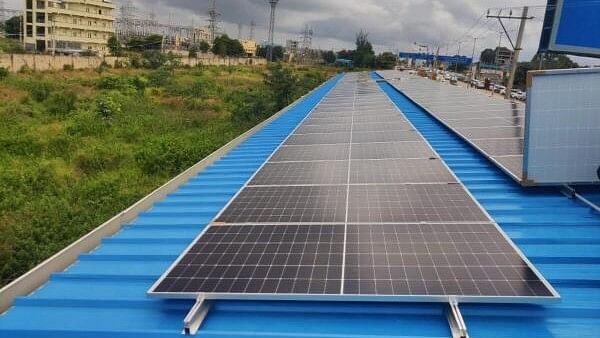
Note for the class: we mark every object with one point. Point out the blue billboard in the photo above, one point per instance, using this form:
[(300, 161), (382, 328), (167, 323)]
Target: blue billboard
[(572, 27), (454, 59)]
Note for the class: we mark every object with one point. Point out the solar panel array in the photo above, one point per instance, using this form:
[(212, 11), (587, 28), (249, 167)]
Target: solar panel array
[(353, 205), (493, 125)]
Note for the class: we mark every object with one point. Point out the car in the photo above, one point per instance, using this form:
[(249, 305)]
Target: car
[(453, 80), (480, 85)]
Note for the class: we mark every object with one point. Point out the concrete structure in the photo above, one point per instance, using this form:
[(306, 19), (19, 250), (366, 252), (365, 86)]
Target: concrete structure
[(504, 57), (250, 47), (69, 26)]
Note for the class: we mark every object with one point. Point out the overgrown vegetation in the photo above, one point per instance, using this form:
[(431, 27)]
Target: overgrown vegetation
[(77, 147)]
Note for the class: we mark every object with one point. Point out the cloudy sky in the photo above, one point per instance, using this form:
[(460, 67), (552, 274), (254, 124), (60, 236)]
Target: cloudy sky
[(393, 25)]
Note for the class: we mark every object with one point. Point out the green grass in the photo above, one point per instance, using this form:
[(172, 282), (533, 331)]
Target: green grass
[(77, 147)]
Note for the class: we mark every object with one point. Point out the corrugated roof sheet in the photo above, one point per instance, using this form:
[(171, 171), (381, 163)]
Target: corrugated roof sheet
[(104, 293)]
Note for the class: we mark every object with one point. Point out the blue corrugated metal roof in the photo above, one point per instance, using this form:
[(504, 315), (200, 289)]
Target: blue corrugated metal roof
[(104, 293)]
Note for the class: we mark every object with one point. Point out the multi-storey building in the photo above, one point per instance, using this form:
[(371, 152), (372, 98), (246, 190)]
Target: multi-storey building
[(68, 26), (250, 47)]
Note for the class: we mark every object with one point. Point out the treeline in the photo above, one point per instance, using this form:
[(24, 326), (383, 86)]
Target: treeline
[(222, 45)]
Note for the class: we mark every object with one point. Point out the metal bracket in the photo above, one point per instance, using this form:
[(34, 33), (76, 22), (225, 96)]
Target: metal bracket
[(570, 192), (194, 318), (455, 319)]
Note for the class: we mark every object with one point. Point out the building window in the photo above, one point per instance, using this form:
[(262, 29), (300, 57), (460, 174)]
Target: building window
[(29, 4), (40, 17), (100, 11), (74, 21), (40, 31), (29, 17), (29, 31), (41, 4)]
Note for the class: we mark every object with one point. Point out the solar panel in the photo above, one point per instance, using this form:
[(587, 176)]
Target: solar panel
[(370, 213)]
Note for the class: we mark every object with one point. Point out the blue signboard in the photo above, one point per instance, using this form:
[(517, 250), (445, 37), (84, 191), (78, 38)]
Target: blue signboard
[(572, 27), (454, 59)]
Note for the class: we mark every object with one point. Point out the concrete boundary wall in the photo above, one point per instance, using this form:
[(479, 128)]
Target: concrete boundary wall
[(40, 62)]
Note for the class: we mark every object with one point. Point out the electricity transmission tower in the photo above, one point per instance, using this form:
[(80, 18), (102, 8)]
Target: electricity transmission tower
[(306, 44), (252, 29), (273, 4), (2, 15), (213, 16)]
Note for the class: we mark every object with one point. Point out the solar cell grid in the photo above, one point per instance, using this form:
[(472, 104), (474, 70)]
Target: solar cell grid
[(287, 204), (440, 259), (324, 152), (412, 203), (302, 173), (399, 171), (390, 150)]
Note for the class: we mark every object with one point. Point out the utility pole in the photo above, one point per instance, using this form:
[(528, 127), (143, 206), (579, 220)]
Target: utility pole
[(458, 53), (515, 60), (473, 57), (273, 4), (516, 47)]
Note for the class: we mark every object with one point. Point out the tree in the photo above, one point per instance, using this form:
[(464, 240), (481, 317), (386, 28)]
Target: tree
[(225, 46), (204, 46), (328, 57), (193, 51), (385, 60), (488, 57), (140, 44), (277, 52), (114, 46), (13, 27), (364, 56), (346, 54), (550, 61)]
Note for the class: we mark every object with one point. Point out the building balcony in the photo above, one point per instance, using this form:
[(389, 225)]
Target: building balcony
[(59, 24), (60, 11)]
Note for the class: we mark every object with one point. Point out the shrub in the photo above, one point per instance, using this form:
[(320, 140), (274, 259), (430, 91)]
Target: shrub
[(3, 73), (86, 123), (159, 77), (283, 83), (250, 107), (103, 67), (108, 106), (61, 103), (167, 155), (39, 90), (68, 67), (98, 158)]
